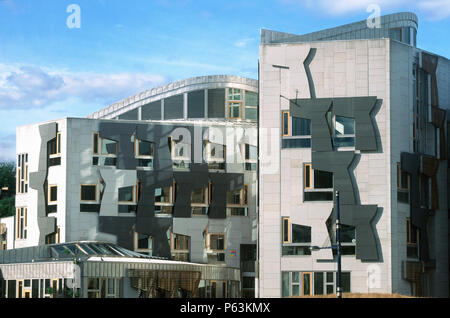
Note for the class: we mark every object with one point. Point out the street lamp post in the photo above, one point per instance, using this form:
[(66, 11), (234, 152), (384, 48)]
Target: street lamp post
[(337, 247)]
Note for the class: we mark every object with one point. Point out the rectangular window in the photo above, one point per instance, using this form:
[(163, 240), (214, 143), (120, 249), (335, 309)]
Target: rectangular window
[(238, 197), (344, 132), (22, 173), (126, 194), (199, 197), (402, 185), (307, 176), (251, 105), (109, 147), (143, 243), (234, 94), (235, 110), (144, 149), (88, 192), (412, 240), (52, 194), (181, 154), (104, 151), (286, 234), (217, 242), (285, 123), (215, 152), (318, 184), (95, 139), (318, 283), (21, 223)]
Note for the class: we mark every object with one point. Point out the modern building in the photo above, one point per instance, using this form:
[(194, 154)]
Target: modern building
[(360, 110), (170, 172), (233, 180)]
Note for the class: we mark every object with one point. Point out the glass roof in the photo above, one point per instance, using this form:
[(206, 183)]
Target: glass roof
[(80, 249)]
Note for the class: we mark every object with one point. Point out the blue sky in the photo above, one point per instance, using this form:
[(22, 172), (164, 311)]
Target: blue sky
[(50, 71)]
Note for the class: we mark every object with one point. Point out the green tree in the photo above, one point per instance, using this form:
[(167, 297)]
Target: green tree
[(7, 179)]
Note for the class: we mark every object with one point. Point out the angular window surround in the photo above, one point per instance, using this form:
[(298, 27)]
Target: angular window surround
[(296, 239), (53, 238), (54, 149), (181, 154), (238, 197), (343, 130)]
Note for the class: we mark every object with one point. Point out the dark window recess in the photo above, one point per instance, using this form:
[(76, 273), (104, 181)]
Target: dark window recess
[(301, 126), (126, 194), (343, 141), (51, 208), (173, 107), (11, 288), (90, 208), (95, 161), (131, 115), (216, 103), (250, 166), (295, 250), (151, 111), (127, 208), (345, 278), (296, 143), (221, 257), (403, 197), (248, 282), (88, 193), (146, 163), (323, 179), (196, 104), (54, 161), (216, 165), (318, 283), (318, 196), (301, 234), (51, 147), (109, 161), (238, 211), (285, 123)]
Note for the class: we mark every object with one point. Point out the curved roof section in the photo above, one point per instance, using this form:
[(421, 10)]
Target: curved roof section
[(172, 89), (353, 31)]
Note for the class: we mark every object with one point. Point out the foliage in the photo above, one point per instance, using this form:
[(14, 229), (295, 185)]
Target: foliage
[(7, 179)]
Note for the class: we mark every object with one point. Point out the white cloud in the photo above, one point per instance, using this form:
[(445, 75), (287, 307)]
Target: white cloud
[(435, 9), (30, 86)]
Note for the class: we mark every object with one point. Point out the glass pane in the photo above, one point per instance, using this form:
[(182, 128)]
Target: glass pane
[(162, 195), (88, 192), (348, 233), (285, 230), (145, 148), (173, 107), (345, 282), (318, 283), (395, 34), (251, 98), (301, 234), (318, 196), (285, 284), (295, 277), (130, 115), (251, 113), (406, 37), (234, 197), (93, 283), (306, 284), (301, 126), (126, 194), (109, 147), (251, 152), (53, 193), (151, 111), (198, 196), (344, 126), (196, 104), (295, 290), (285, 124), (235, 110), (296, 143), (111, 285), (323, 179), (344, 141), (330, 277), (330, 289), (216, 103)]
